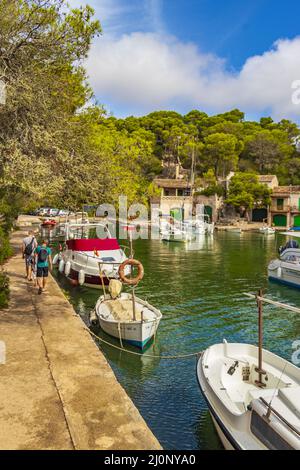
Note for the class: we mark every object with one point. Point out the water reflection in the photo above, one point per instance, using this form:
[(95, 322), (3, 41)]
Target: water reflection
[(199, 292)]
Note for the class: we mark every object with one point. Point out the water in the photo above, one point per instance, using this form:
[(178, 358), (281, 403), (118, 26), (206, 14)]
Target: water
[(200, 293)]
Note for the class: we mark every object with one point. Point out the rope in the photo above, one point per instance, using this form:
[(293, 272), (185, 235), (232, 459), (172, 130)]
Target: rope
[(153, 356), (273, 302)]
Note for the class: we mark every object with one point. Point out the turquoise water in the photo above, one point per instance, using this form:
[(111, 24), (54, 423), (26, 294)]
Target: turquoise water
[(199, 290)]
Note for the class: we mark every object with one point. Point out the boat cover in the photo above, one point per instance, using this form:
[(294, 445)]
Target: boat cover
[(92, 244)]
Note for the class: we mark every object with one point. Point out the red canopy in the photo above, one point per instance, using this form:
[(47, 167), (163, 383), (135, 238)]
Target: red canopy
[(92, 244)]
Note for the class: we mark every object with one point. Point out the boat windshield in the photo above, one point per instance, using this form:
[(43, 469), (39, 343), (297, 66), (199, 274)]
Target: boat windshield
[(266, 434)]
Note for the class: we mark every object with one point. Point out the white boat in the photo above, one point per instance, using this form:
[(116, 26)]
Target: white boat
[(117, 318), (267, 230), (286, 269), (246, 415), (171, 233), (252, 394), (83, 259)]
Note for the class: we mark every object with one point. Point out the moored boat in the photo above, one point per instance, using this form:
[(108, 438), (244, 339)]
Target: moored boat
[(240, 408), (85, 260), (286, 268), (128, 319), (252, 394)]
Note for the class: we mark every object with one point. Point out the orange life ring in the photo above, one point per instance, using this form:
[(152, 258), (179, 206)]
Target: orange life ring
[(131, 281)]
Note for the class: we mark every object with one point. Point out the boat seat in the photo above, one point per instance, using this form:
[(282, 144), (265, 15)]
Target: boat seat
[(122, 310), (290, 396)]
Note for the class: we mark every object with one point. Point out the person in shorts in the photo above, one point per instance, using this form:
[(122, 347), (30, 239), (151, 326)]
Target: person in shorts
[(43, 263), (28, 246)]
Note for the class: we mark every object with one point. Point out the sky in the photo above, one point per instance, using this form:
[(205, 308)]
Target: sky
[(212, 55)]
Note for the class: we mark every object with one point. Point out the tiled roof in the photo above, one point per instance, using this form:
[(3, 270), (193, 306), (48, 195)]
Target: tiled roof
[(266, 178), (286, 190), (172, 183)]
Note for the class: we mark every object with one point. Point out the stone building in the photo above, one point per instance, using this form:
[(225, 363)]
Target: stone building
[(285, 207)]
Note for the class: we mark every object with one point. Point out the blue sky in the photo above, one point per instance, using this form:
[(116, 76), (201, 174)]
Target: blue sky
[(207, 54)]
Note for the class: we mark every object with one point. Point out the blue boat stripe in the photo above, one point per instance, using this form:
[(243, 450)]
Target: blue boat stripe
[(282, 281)]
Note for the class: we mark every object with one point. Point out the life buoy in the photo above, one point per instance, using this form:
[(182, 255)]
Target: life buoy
[(131, 281), (67, 268)]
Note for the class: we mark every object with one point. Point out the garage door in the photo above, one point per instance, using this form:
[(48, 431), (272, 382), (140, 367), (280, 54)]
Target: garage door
[(279, 220), (208, 211), (297, 221), (259, 215)]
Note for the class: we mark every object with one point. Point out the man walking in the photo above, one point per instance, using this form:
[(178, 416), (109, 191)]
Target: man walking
[(44, 261), (28, 246)]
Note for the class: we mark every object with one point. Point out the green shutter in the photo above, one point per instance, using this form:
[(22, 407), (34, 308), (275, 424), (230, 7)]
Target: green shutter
[(297, 221)]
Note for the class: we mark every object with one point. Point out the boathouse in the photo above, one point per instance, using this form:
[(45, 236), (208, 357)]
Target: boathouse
[(285, 207)]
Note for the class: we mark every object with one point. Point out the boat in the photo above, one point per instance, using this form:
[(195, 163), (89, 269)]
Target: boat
[(127, 317), (252, 395), (48, 223), (84, 260), (173, 230), (286, 269), (266, 230)]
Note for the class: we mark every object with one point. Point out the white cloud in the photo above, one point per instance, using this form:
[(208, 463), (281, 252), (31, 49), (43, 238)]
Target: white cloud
[(147, 71), (143, 71)]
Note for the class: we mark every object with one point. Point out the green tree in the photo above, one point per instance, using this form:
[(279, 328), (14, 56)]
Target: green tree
[(245, 192)]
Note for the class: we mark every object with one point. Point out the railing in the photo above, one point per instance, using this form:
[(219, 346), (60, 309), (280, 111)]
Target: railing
[(176, 198), (295, 430)]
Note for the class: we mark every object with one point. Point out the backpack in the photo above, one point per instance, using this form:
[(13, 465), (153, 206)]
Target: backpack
[(43, 255), (29, 248)]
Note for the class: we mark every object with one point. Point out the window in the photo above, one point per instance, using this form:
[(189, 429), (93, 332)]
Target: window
[(167, 192), (280, 204), (179, 192), (266, 434)]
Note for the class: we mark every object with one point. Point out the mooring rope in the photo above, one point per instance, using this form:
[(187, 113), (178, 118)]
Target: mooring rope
[(153, 356)]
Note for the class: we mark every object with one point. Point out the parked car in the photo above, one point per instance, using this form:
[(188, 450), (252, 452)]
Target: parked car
[(43, 211), (52, 212), (63, 213)]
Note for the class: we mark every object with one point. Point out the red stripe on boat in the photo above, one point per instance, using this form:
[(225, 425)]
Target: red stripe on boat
[(92, 244)]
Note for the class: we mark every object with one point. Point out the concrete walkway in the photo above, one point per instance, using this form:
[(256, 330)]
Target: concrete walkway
[(57, 389)]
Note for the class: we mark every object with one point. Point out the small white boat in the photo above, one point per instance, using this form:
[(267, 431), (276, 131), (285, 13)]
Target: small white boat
[(136, 325), (267, 230), (240, 408), (252, 394), (286, 269)]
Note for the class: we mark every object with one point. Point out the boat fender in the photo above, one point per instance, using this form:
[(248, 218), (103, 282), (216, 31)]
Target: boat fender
[(81, 277), (61, 266), (67, 268), (93, 317), (279, 271), (131, 281), (56, 259)]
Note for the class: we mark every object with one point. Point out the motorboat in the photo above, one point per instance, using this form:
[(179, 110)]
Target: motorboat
[(267, 230), (286, 268), (127, 317), (89, 261), (49, 223), (177, 233), (252, 395), (240, 408)]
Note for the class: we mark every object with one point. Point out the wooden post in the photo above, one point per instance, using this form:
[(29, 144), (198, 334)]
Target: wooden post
[(259, 369), (133, 293)]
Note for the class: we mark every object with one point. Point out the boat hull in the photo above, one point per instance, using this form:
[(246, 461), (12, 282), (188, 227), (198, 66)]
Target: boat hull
[(139, 332), (284, 273)]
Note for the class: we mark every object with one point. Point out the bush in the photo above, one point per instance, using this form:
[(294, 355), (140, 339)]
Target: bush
[(5, 248), (4, 290)]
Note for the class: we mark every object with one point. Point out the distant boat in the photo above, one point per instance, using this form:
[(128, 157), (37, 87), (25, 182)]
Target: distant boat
[(267, 230), (252, 394)]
